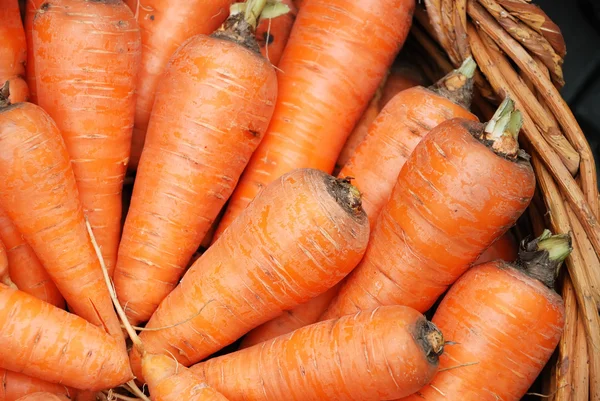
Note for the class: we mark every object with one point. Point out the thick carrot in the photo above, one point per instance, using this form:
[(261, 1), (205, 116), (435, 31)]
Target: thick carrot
[(4, 273), (43, 397), (336, 56), (403, 122), (399, 79), (45, 342), (383, 354), (165, 25), (504, 248), (505, 322), (304, 234), (87, 57), (25, 269), (13, 53), (212, 108), (39, 193), (170, 381), (272, 34), (17, 385), (288, 321), (30, 9), (464, 185)]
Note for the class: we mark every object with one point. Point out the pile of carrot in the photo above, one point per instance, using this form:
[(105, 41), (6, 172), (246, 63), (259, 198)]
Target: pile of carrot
[(302, 198)]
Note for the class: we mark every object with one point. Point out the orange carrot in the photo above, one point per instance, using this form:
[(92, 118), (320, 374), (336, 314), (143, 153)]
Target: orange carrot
[(26, 270), (87, 55), (43, 397), (165, 25), (464, 185), (330, 69), (17, 385), (30, 9), (504, 248), (39, 193), (299, 238), (45, 342), (272, 34), (288, 321), (4, 273), (212, 108), (505, 322), (13, 53), (170, 381), (399, 79), (403, 122), (299, 3), (383, 354)]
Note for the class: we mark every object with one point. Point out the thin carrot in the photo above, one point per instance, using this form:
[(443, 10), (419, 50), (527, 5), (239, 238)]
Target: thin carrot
[(505, 322), (165, 26), (272, 34), (13, 53), (87, 55), (43, 397), (504, 248), (465, 184), (25, 269), (39, 193), (212, 108), (4, 273), (30, 9), (336, 56), (386, 353), (17, 385), (299, 238), (403, 122), (45, 342), (288, 321)]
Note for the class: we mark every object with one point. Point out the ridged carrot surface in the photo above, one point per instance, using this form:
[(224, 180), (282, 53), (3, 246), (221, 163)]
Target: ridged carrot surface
[(13, 52), (31, 8), (4, 274), (17, 385), (43, 397)]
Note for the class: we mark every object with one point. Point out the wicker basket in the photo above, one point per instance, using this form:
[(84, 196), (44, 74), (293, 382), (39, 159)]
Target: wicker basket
[(520, 52)]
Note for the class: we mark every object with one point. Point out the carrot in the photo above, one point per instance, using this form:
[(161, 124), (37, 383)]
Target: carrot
[(272, 33), (13, 53), (31, 8), (87, 57), (39, 194), (26, 270), (288, 321), (4, 274), (403, 122), (165, 25), (43, 397), (330, 69), (465, 184), (299, 238), (212, 108), (169, 381), (504, 248), (17, 385), (505, 322), (299, 3), (386, 353), (399, 79), (38, 338)]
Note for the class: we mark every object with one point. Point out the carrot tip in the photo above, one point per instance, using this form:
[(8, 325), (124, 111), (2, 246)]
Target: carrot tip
[(431, 340), (346, 194), (236, 29), (542, 257)]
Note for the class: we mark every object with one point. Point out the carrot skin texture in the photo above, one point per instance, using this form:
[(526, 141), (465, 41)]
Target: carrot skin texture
[(507, 322), (212, 109), (25, 269), (330, 69), (392, 137), (272, 34), (504, 248), (37, 337), (4, 274), (170, 381), (30, 9), (294, 242), (13, 51), (453, 198), (340, 359), (166, 25), (288, 321), (87, 58), (39, 193), (43, 397), (17, 385)]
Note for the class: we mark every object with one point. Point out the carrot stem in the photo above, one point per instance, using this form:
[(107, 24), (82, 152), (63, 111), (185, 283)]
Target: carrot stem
[(4, 94), (542, 257), (253, 10), (457, 85), (502, 131)]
